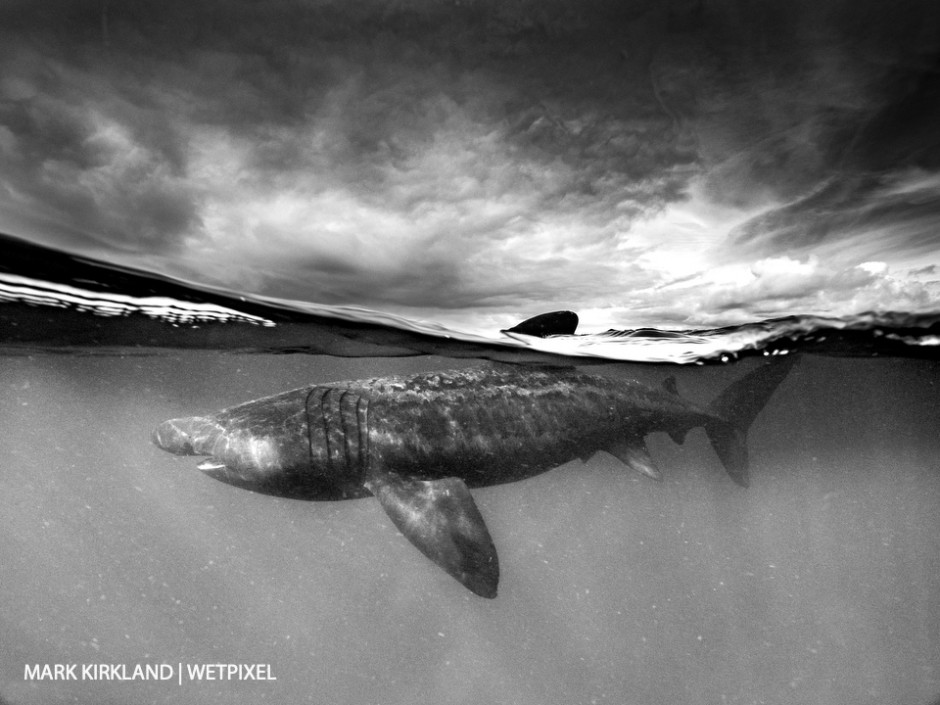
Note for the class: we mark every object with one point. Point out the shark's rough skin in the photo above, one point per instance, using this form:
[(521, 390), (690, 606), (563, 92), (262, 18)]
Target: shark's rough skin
[(418, 443)]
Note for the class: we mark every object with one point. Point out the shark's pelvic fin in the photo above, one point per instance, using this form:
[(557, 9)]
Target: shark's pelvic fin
[(678, 436), (440, 518), (632, 452)]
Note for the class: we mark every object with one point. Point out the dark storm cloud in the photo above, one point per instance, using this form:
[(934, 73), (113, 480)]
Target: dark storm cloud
[(870, 213), (90, 152), (880, 188), (381, 78), (426, 155)]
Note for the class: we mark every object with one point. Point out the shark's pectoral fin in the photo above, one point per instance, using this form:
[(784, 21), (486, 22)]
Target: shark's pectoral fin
[(633, 453), (441, 519)]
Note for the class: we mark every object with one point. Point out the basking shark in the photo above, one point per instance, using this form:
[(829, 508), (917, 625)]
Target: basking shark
[(418, 444)]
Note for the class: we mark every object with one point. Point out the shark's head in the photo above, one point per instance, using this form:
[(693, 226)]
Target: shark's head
[(236, 455), (266, 455)]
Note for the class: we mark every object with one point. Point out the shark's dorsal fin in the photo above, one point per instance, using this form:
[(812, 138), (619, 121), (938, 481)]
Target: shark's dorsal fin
[(633, 453), (440, 518), (546, 324)]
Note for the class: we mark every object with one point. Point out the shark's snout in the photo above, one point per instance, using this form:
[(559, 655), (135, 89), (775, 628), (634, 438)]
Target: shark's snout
[(190, 436)]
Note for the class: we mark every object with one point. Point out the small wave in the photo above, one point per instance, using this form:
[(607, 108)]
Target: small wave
[(54, 302), (865, 335)]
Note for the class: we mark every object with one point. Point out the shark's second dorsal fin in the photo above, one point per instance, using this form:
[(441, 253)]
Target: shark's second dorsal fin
[(441, 519), (669, 384)]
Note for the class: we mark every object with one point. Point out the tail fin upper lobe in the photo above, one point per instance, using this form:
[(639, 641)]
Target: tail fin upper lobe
[(735, 410)]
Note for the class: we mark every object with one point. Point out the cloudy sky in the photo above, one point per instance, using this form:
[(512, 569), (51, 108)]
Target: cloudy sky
[(474, 162)]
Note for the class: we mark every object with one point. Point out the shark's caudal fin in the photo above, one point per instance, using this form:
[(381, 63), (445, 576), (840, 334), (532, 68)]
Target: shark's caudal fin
[(735, 410)]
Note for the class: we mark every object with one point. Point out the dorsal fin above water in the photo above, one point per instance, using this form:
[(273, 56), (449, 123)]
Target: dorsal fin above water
[(546, 324)]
